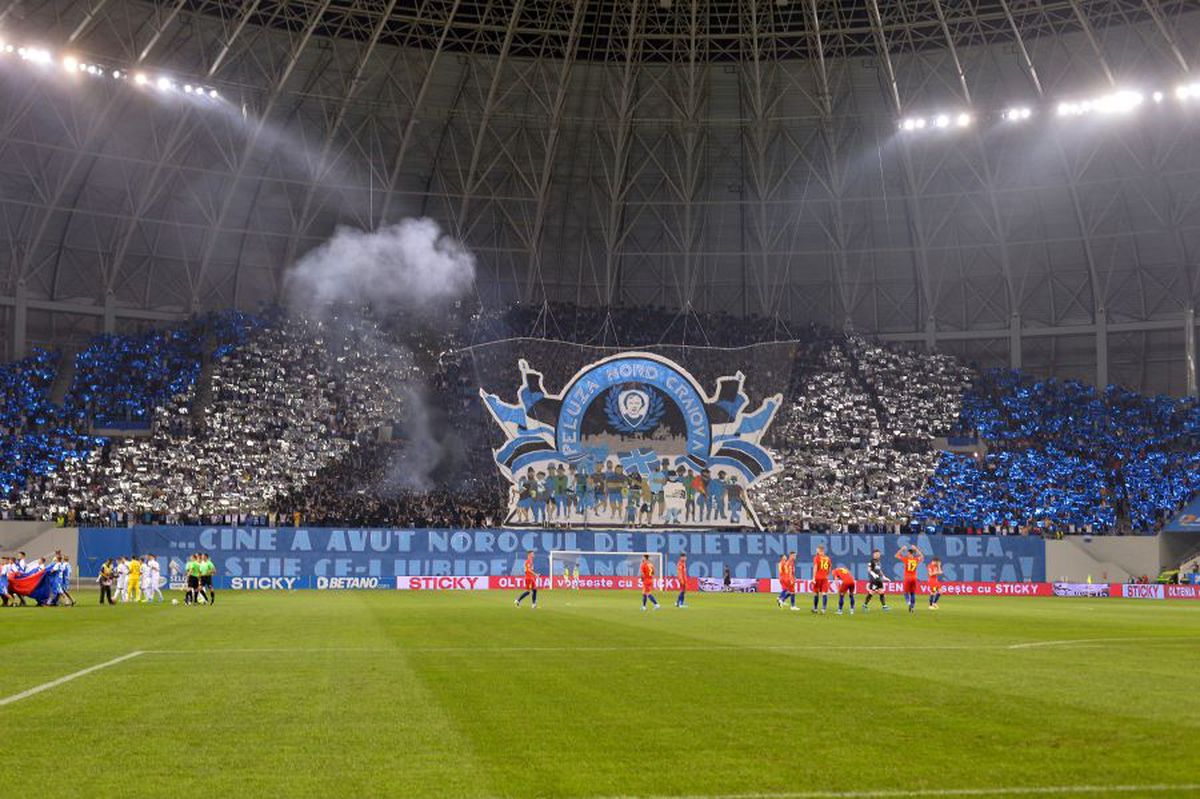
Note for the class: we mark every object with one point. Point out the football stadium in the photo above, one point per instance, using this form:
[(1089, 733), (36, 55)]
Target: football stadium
[(658, 399)]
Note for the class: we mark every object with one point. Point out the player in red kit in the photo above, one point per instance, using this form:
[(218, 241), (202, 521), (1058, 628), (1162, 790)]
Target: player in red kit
[(820, 584), (647, 572), (781, 568), (845, 586), (530, 581), (935, 582), (787, 579), (681, 575), (912, 562)]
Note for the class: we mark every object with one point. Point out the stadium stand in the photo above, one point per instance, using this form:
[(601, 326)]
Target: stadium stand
[(1066, 457), (375, 425)]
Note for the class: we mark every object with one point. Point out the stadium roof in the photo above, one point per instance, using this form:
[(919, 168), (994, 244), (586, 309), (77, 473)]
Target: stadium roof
[(749, 157), (721, 30)]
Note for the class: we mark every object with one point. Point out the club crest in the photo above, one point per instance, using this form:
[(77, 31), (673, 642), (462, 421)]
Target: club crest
[(632, 439), (633, 410)]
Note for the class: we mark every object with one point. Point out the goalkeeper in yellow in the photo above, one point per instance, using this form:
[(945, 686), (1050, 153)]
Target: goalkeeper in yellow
[(135, 579)]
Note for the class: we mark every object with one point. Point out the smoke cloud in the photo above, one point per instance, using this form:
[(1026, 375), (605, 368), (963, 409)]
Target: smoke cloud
[(411, 266), (413, 465), (369, 287)]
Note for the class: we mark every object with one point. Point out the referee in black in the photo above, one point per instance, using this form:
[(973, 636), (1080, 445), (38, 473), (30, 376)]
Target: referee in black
[(875, 584)]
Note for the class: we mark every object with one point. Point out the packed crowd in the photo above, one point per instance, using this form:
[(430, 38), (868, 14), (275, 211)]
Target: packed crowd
[(271, 419), (1065, 457), (631, 327), (853, 439)]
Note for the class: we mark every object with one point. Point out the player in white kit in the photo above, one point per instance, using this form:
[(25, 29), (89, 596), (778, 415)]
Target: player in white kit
[(123, 579), (152, 580)]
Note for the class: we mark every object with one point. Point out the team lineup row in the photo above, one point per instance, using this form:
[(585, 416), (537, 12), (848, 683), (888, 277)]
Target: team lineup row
[(140, 579), (824, 575)]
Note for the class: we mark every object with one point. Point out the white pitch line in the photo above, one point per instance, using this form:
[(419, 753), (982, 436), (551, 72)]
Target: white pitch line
[(46, 686), (1081, 641), (1033, 790)]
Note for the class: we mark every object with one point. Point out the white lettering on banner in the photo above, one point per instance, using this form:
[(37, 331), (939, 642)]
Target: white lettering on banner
[(342, 583), (1183, 592), (441, 583), (1017, 589), (1133, 591), (262, 583)]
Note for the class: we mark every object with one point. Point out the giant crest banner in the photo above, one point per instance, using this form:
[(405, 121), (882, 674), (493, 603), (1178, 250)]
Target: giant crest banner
[(632, 440)]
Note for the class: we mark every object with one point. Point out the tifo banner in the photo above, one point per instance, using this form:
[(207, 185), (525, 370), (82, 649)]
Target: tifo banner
[(1081, 589), (632, 439), (307, 555)]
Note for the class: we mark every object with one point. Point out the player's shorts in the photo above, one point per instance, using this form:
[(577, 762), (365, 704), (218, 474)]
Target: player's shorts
[(648, 586), (530, 583), (911, 587), (875, 585), (193, 581), (935, 586), (847, 587), (206, 580), (789, 586), (820, 585)]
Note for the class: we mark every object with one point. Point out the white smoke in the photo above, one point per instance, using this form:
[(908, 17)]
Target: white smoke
[(412, 467), (411, 266), (359, 283)]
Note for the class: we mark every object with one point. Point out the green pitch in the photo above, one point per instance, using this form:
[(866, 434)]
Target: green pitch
[(461, 694)]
